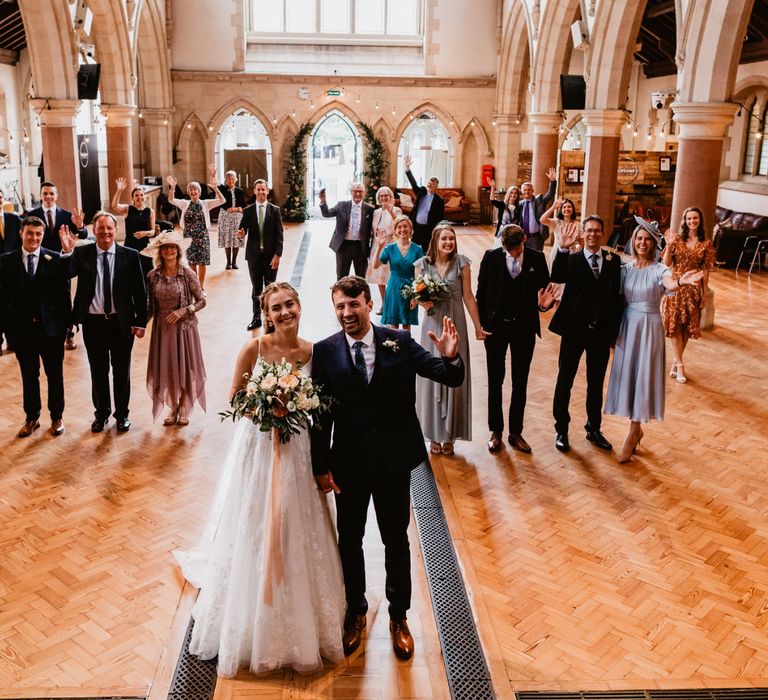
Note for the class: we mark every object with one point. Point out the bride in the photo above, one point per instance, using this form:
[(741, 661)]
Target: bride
[(271, 590)]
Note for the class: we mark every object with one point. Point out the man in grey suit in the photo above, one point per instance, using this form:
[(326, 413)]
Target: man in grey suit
[(351, 240), (531, 207)]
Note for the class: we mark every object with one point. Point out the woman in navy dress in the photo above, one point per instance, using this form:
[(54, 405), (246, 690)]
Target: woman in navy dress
[(400, 256), (139, 220)]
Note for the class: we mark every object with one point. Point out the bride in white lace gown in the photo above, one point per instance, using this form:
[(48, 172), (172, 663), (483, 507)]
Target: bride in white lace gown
[(271, 588)]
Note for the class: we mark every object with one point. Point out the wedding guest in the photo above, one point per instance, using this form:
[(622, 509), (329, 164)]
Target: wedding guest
[(690, 250), (636, 385), (35, 310), (175, 368), (196, 219), (400, 256), (561, 218), (139, 220), (428, 208), (383, 220), (507, 212), (445, 413), (587, 321), (10, 228), (230, 216), (530, 209), (351, 240), (511, 289)]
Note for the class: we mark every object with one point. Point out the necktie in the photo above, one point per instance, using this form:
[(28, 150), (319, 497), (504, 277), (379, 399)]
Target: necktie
[(515, 268), (31, 265), (261, 218), (354, 221), (49, 217), (360, 367), (526, 222), (107, 285), (595, 268)]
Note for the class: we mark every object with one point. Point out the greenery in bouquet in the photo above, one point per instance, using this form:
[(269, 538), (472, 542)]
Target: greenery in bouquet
[(425, 288), (278, 397)]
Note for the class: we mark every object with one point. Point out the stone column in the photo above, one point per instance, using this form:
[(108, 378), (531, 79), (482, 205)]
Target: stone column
[(60, 154), (119, 147), (158, 141), (699, 157), (508, 131), (601, 163), (546, 127)]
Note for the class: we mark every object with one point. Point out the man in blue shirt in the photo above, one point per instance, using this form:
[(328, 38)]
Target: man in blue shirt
[(428, 209), (530, 208)]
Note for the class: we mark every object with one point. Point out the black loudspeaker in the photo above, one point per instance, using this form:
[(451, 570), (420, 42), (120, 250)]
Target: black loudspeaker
[(88, 81), (573, 91)]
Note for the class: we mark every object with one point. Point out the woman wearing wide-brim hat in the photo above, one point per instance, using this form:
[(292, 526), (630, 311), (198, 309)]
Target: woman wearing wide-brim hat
[(175, 368)]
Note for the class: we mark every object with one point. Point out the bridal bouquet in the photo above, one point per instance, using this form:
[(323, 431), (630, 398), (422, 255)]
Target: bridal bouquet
[(425, 288), (278, 398)]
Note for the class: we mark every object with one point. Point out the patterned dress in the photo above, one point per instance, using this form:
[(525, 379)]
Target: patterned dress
[(381, 220), (229, 222), (199, 253), (682, 311), (175, 368)]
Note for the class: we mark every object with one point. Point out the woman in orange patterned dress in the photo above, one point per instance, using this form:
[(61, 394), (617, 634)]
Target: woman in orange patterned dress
[(688, 250)]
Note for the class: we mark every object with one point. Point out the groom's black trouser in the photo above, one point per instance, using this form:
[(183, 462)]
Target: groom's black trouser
[(392, 502)]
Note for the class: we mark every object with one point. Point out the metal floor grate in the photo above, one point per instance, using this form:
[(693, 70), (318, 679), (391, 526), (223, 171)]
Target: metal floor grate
[(194, 679), (468, 676), (301, 258), (684, 694)]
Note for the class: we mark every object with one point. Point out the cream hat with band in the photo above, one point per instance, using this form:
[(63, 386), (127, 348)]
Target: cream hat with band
[(166, 238)]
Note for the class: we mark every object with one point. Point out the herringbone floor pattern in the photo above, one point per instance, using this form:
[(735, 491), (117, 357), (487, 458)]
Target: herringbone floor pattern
[(583, 573)]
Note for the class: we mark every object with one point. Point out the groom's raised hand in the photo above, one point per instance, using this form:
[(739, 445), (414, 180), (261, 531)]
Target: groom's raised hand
[(448, 343), (326, 483)]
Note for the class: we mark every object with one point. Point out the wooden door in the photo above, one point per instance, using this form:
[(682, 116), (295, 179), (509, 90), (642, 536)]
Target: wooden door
[(249, 164)]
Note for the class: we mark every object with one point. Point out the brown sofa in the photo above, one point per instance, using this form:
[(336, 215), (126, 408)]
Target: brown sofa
[(458, 212), (732, 228)]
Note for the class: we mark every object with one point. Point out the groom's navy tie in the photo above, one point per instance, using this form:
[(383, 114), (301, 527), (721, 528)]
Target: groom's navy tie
[(360, 367)]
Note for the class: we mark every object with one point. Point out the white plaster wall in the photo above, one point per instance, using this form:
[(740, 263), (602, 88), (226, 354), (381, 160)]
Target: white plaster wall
[(465, 38), (743, 201), (13, 138), (202, 35)]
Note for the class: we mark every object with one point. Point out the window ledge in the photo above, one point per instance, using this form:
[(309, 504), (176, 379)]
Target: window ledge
[(750, 184), (335, 39)]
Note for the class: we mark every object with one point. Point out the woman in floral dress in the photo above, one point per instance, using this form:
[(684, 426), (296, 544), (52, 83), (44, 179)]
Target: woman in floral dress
[(688, 250)]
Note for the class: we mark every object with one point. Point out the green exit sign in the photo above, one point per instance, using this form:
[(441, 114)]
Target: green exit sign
[(333, 93)]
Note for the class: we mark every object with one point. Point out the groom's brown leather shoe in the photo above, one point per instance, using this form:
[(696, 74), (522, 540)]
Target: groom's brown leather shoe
[(402, 641), (353, 632), (28, 428)]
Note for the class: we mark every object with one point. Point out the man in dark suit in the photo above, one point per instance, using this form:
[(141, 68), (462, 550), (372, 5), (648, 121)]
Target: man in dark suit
[(371, 371), (351, 240), (10, 229), (35, 310), (587, 321), (55, 217), (111, 305), (531, 207), (510, 288), (428, 209), (263, 224)]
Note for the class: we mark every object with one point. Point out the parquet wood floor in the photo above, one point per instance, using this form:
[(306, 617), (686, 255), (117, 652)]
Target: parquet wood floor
[(583, 573)]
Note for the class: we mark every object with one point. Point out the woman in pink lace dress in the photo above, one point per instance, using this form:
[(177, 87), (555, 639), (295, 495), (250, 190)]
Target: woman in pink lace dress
[(175, 368)]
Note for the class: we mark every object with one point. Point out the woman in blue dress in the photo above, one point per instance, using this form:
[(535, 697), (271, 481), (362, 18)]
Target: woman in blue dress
[(400, 256), (636, 386)]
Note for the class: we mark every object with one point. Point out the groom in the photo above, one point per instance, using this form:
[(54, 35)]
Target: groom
[(371, 373)]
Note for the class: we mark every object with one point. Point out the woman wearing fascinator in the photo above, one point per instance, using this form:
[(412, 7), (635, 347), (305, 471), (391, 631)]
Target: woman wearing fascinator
[(636, 386)]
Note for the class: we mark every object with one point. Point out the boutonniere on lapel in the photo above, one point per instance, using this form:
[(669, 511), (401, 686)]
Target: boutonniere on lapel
[(609, 255), (530, 269), (47, 257), (391, 345)]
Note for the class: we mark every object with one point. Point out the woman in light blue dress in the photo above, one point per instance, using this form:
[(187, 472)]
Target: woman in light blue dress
[(636, 386), (400, 256)]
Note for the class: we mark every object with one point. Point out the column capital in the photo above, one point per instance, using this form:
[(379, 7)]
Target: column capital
[(545, 122), (703, 120), (55, 112), (118, 115), (604, 122)]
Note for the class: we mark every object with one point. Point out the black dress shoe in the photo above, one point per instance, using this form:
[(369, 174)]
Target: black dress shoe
[(519, 443), (228, 267), (561, 442), (353, 632), (98, 424), (235, 267), (596, 437), (123, 425), (253, 325), (494, 442)]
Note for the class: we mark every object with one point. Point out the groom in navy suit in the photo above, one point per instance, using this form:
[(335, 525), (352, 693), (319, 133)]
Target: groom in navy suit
[(371, 373)]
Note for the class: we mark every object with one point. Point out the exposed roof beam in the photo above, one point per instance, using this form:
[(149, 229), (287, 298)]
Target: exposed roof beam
[(663, 8)]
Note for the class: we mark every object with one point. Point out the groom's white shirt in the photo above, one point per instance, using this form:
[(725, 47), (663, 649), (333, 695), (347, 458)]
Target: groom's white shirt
[(369, 350)]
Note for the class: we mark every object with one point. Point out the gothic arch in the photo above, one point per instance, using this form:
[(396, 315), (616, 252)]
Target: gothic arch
[(287, 125), (233, 106), (612, 43), (550, 54), (154, 71), (112, 38), (444, 117), (479, 133), (191, 123), (515, 64), (51, 45), (335, 105)]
